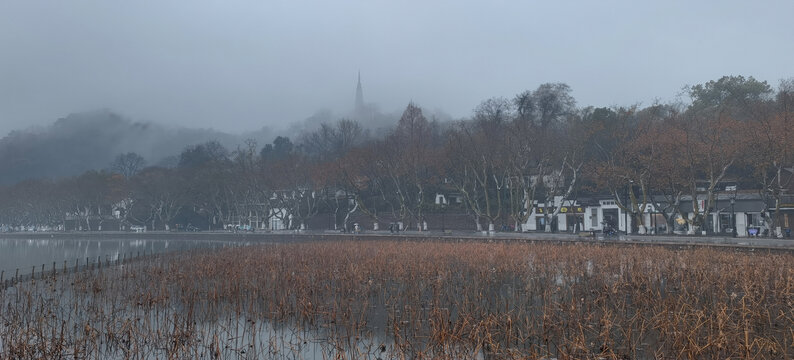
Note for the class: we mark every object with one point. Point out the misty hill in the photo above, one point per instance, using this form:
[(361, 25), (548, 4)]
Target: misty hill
[(91, 140)]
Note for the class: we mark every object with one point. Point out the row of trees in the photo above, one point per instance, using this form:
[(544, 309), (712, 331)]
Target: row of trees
[(510, 156)]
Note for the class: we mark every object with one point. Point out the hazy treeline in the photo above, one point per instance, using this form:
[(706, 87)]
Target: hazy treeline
[(91, 140), (511, 154)]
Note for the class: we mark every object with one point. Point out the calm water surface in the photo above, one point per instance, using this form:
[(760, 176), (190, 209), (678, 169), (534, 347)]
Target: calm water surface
[(21, 253)]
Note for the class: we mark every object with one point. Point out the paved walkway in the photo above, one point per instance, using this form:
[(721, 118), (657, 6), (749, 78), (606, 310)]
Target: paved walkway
[(785, 243), (771, 243)]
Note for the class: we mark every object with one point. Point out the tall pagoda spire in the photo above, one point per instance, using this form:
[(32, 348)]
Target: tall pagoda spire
[(359, 94)]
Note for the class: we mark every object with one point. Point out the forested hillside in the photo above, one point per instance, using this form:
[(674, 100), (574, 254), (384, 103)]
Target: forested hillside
[(92, 140)]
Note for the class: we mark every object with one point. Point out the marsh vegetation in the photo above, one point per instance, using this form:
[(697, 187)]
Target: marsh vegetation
[(405, 299)]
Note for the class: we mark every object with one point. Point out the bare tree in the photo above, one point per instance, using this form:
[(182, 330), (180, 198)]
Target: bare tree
[(408, 162), (296, 194), (547, 106), (331, 142), (128, 164), (772, 154), (476, 166)]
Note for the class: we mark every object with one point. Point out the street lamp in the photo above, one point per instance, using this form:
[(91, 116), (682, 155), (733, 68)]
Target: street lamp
[(653, 218), (733, 216), (714, 208), (443, 211)]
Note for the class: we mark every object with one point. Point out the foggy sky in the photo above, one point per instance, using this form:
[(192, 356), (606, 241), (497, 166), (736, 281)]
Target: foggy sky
[(240, 65)]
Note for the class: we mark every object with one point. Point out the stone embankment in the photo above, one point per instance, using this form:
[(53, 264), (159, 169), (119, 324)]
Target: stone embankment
[(585, 237)]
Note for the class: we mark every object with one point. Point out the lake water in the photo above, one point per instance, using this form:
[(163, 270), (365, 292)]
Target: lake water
[(24, 253)]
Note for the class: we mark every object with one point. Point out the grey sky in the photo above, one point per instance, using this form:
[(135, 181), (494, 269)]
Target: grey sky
[(240, 65)]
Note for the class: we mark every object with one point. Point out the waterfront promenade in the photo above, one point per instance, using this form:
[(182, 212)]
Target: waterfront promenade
[(309, 235)]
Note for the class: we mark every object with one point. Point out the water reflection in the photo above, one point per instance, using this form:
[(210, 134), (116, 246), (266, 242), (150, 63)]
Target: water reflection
[(23, 254)]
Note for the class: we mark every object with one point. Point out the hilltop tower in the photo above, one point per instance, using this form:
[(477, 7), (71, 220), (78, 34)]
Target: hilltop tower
[(359, 108)]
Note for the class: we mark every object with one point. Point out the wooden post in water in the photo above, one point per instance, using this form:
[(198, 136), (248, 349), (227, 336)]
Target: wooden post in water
[(76, 264), (33, 273), (53, 269), (16, 276)]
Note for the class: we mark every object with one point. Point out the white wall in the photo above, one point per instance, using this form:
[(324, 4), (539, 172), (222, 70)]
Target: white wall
[(741, 224)]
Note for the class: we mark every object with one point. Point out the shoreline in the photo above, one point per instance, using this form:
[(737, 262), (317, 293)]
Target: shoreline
[(308, 235)]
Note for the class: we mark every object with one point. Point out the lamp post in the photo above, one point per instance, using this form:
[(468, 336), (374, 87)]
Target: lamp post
[(653, 219), (443, 211), (714, 224), (733, 216)]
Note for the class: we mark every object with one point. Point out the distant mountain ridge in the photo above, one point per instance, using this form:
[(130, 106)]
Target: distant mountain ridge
[(91, 140)]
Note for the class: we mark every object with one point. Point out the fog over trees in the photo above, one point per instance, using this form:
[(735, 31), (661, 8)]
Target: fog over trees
[(509, 155), (94, 140)]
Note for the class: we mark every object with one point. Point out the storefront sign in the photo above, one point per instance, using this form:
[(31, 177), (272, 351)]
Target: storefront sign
[(563, 210)]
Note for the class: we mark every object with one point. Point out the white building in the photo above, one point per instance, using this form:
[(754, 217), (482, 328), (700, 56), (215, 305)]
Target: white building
[(743, 211), (570, 218)]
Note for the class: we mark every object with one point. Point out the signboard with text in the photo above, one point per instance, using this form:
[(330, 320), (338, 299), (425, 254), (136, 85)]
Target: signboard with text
[(563, 210)]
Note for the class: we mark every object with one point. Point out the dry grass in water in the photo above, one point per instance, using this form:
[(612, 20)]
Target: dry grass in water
[(390, 299)]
